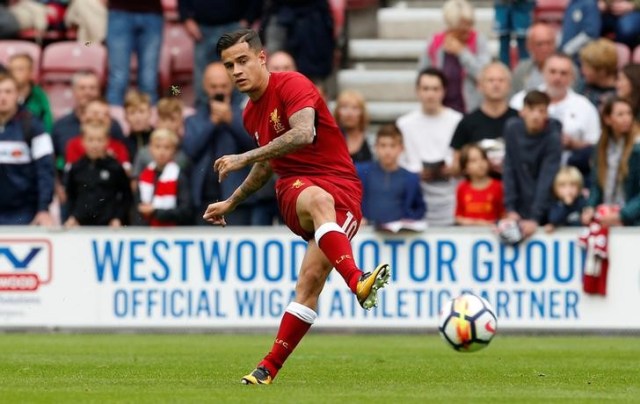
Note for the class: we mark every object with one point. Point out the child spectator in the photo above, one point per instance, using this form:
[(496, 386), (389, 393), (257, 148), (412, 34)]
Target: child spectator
[(480, 198), (32, 96), (97, 186), (137, 112), (170, 115), (599, 66), (170, 112), (513, 17), (76, 147), (616, 171), (391, 194), (163, 189), (569, 202), (532, 159)]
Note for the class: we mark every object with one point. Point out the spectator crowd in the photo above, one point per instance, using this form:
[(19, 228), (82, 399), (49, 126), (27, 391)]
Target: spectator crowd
[(539, 136)]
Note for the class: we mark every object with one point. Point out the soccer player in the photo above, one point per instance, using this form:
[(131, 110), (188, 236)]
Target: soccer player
[(318, 189)]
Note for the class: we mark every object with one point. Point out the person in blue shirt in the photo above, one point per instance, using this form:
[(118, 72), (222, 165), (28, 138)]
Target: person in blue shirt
[(581, 24), (390, 193), (216, 130)]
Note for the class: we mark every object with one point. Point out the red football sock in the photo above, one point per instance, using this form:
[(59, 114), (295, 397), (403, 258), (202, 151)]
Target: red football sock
[(336, 246), (296, 321)]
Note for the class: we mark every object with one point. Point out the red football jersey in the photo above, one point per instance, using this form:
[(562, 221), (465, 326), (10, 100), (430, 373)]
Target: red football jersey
[(487, 203), (268, 117)]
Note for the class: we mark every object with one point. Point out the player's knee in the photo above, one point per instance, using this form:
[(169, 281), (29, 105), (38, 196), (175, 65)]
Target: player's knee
[(321, 202)]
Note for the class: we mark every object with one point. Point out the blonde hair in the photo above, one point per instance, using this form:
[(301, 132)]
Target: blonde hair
[(165, 134), (168, 106), (601, 54), (135, 98), (454, 11), (95, 126), (359, 100), (568, 174)]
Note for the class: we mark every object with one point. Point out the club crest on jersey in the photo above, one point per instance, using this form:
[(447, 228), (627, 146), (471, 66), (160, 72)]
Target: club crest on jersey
[(297, 184), (275, 121)]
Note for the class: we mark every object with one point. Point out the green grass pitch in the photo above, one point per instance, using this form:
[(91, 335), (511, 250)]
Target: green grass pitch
[(326, 368)]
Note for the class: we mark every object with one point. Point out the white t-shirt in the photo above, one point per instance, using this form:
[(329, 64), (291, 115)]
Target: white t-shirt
[(579, 117), (427, 139)]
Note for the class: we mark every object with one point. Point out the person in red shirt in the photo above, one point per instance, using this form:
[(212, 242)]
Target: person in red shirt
[(319, 192), (75, 148), (480, 199)]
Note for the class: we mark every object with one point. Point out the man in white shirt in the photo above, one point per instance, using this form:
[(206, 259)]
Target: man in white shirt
[(427, 134), (580, 119)]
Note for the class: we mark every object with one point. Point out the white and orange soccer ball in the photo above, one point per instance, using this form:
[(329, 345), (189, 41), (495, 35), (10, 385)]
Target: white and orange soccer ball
[(467, 323)]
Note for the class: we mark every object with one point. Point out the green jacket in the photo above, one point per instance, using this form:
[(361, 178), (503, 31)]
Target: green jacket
[(630, 213), (38, 104)]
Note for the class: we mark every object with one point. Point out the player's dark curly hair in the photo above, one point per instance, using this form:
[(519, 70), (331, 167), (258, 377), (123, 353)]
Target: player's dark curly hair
[(242, 35)]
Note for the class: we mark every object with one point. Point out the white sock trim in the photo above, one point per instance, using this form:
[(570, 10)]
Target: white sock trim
[(326, 228), (302, 312)]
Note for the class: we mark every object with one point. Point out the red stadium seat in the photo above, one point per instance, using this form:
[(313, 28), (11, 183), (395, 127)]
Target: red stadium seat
[(176, 62), (338, 12), (550, 11), (9, 48), (60, 98), (624, 54), (61, 60)]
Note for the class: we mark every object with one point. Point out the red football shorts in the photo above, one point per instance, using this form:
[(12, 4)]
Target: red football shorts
[(347, 197)]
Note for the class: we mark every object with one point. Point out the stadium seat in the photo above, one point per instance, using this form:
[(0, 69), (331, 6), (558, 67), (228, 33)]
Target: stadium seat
[(60, 98), (12, 47), (624, 54), (338, 8), (61, 60), (550, 11), (176, 62)]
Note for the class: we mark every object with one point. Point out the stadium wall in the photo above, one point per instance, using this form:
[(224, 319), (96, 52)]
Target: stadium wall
[(237, 278)]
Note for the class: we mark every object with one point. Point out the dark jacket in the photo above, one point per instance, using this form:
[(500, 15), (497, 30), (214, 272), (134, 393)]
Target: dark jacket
[(98, 191), (26, 170), (561, 214), (630, 212), (204, 142), (530, 165)]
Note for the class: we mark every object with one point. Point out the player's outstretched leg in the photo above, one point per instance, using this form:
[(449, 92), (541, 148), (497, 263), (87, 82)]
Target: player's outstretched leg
[(295, 323), (369, 283)]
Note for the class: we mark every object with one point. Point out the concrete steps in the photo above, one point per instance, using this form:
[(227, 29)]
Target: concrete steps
[(384, 68)]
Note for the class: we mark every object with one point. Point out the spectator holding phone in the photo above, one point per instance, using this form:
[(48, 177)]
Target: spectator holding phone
[(216, 130)]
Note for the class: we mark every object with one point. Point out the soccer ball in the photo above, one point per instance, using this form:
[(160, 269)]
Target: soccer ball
[(467, 323)]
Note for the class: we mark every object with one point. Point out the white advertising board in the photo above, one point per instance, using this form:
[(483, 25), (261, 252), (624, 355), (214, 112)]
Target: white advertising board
[(244, 278)]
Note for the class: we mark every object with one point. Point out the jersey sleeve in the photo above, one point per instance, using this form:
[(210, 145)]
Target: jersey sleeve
[(298, 92)]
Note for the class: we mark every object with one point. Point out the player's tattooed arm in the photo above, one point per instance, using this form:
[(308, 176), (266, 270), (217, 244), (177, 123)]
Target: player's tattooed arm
[(258, 176), (302, 133)]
